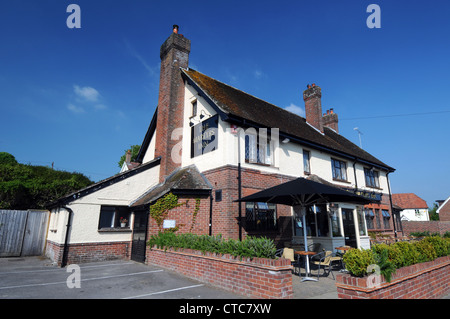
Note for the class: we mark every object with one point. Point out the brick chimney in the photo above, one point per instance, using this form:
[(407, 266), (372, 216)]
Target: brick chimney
[(330, 119), (313, 106), (128, 157), (174, 55)]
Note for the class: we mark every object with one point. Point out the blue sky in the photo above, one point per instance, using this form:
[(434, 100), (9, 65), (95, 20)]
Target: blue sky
[(81, 97)]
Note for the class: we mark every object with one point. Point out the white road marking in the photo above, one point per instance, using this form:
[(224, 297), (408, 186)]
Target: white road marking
[(164, 291), (88, 279)]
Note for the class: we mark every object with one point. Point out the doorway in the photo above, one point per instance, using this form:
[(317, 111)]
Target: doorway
[(139, 239), (349, 227)]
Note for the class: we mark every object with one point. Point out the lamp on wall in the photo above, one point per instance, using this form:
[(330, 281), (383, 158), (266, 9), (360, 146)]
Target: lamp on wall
[(203, 114)]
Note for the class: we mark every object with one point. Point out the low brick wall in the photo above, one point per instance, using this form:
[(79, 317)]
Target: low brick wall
[(432, 226), (256, 278), (88, 252), (429, 280)]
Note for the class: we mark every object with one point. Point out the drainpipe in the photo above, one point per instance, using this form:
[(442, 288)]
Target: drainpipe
[(354, 173), (66, 241), (210, 212), (392, 209)]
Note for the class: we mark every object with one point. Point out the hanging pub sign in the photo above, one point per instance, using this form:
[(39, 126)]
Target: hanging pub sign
[(204, 136)]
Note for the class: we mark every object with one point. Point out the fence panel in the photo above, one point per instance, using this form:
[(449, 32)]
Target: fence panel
[(35, 231), (22, 233), (12, 228)]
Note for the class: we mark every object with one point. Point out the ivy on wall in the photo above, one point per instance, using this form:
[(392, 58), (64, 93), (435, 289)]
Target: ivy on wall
[(160, 210)]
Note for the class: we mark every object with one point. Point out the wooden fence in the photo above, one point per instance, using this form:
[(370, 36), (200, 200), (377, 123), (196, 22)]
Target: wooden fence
[(22, 232)]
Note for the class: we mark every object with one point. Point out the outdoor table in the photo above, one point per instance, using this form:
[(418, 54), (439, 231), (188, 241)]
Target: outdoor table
[(307, 254), (343, 248)]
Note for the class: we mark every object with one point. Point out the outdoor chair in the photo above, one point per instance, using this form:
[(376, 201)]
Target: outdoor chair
[(288, 253), (326, 260)]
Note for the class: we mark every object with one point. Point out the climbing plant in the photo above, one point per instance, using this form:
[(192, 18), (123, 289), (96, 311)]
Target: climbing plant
[(194, 215), (160, 209)]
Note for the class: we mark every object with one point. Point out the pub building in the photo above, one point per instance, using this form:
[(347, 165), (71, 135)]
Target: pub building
[(210, 144)]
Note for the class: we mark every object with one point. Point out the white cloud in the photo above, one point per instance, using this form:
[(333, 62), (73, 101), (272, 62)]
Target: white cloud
[(258, 74), (75, 109), (295, 109), (88, 93)]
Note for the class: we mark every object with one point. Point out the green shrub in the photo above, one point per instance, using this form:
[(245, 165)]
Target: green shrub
[(426, 251), (387, 267), (250, 247), (397, 255), (408, 254), (394, 254), (441, 245), (356, 261)]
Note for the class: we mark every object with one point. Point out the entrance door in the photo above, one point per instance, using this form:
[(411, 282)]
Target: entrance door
[(139, 236), (349, 227)]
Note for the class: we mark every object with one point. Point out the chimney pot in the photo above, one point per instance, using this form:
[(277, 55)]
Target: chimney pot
[(328, 111), (175, 28)]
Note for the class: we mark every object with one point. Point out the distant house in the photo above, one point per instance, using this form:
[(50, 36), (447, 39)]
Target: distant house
[(444, 210), (413, 207)]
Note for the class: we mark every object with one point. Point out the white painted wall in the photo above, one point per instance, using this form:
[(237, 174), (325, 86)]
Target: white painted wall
[(86, 210), (415, 214)]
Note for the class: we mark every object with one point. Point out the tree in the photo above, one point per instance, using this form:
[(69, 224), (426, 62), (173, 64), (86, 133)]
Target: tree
[(134, 153), (27, 186), (432, 212)]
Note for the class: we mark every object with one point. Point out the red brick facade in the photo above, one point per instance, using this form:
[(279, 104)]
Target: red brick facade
[(226, 212), (256, 278), (429, 280), (440, 227)]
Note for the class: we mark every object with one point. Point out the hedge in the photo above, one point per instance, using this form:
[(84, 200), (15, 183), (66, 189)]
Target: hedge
[(250, 247), (397, 255)]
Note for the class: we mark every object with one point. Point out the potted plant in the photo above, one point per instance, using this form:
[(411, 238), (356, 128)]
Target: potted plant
[(123, 222)]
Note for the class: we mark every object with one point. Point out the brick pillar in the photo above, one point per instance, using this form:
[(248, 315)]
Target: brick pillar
[(174, 55), (313, 106)]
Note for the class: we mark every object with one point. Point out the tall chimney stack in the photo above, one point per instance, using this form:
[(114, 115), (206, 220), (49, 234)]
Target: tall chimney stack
[(330, 119), (174, 54), (313, 106)]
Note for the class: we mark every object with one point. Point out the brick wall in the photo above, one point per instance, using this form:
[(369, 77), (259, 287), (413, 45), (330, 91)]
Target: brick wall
[(258, 278), (420, 226), (88, 252), (226, 212), (184, 215), (429, 280)]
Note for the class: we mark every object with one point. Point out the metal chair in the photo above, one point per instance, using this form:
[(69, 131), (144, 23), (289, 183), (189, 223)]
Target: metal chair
[(326, 259)]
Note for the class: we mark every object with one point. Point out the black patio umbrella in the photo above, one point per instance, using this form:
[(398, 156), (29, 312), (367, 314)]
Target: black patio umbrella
[(301, 193), (304, 192)]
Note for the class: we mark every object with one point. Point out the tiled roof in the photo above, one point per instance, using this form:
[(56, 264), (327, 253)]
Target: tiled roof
[(232, 101), (184, 179), (409, 201)]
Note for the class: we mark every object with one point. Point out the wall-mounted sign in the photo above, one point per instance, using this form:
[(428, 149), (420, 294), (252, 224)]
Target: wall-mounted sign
[(169, 223), (204, 136), (371, 195)]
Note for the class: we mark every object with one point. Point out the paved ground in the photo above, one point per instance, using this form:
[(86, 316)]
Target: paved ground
[(37, 277)]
